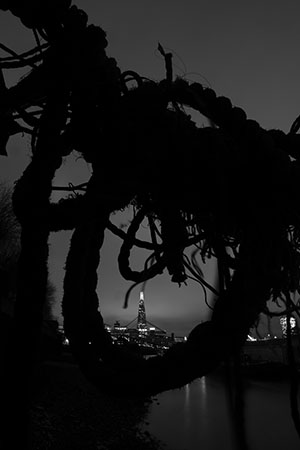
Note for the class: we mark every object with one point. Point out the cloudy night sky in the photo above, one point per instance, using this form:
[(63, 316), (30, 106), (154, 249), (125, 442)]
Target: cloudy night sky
[(247, 51)]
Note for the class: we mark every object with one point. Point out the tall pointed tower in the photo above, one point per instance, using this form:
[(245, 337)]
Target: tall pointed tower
[(141, 320)]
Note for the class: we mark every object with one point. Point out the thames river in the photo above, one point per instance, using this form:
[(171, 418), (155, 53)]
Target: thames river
[(197, 417)]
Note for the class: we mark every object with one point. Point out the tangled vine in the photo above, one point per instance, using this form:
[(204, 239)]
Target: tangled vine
[(229, 190)]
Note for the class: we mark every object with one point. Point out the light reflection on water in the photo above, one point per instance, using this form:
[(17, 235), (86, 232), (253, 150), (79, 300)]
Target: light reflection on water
[(203, 397), (187, 390), (197, 416)]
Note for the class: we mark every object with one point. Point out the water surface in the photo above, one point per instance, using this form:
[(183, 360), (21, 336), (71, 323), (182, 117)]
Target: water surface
[(197, 417)]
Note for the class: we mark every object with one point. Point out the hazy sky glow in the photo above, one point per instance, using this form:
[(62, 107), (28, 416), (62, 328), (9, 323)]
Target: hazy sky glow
[(248, 51)]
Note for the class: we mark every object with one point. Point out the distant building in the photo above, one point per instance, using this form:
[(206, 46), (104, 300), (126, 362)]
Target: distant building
[(146, 335), (179, 339), (284, 324), (141, 319)]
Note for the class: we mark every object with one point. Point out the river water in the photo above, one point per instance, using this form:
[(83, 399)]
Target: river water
[(197, 417)]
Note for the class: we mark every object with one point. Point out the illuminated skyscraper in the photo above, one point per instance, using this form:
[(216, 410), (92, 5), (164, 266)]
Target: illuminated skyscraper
[(141, 320), (283, 323)]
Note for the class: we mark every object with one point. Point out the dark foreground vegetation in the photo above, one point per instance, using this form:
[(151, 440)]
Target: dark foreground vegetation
[(69, 413)]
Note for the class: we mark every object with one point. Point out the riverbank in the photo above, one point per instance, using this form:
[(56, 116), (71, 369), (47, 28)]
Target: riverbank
[(68, 413)]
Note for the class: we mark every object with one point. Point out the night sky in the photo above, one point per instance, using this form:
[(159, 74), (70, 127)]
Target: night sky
[(247, 51)]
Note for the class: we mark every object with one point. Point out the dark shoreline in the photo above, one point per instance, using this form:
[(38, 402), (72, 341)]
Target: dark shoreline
[(68, 413)]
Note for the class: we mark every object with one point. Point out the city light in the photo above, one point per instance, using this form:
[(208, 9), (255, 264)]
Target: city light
[(250, 338), (283, 323)]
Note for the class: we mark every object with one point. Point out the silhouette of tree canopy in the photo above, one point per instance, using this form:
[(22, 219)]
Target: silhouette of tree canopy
[(229, 190)]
